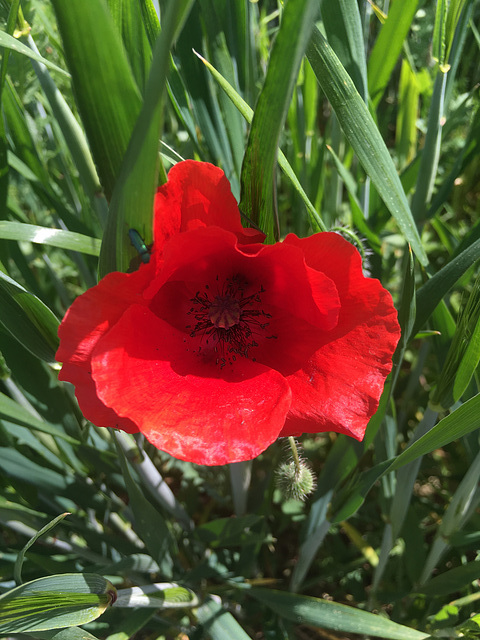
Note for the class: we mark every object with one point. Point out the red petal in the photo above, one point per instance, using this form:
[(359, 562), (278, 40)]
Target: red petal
[(301, 303), (86, 321), (340, 387), (197, 194), (92, 408), (183, 404)]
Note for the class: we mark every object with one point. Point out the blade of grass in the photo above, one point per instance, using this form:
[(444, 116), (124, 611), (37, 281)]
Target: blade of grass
[(27, 319), (343, 27), (332, 615), (258, 171), (108, 98), (9, 42), (363, 135), (53, 237), (247, 113), (132, 199), (388, 46)]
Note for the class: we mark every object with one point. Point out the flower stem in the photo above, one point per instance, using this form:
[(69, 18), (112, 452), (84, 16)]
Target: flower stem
[(240, 476), (296, 458), (152, 478)]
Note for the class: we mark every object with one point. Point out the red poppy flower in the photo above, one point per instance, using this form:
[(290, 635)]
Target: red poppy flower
[(221, 344)]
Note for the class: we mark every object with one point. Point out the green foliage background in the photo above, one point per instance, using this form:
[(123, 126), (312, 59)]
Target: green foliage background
[(373, 112)]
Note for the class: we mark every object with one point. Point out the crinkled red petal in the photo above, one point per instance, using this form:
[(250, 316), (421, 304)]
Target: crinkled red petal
[(85, 323), (183, 404), (197, 194), (340, 386)]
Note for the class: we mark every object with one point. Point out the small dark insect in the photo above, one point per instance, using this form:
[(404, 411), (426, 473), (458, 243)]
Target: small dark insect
[(139, 244)]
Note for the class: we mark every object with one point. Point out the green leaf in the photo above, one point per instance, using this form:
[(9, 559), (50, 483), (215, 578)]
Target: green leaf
[(432, 292), (331, 615), (219, 623), (12, 411), (388, 46), (108, 98), (9, 42), (343, 27), (258, 171), (150, 523), (459, 423), (132, 200), (53, 237), (72, 633), (228, 532), (451, 581), (16, 465), (163, 595), (27, 319), (247, 112), (17, 569), (446, 20), (54, 602), (363, 135)]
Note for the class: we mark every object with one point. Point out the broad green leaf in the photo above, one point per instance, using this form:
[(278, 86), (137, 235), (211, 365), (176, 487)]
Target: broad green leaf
[(363, 135), (129, 20), (17, 569), (9, 42), (258, 171), (132, 199), (331, 615), (52, 237), (388, 46), (162, 595), (432, 292), (108, 98), (219, 623), (54, 602), (27, 319), (247, 113)]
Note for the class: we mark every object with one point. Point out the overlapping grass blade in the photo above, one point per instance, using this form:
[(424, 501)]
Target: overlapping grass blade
[(219, 623), (9, 42), (247, 113), (363, 135), (388, 46), (107, 95), (27, 319), (344, 31), (132, 199), (52, 237), (331, 615), (257, 181)]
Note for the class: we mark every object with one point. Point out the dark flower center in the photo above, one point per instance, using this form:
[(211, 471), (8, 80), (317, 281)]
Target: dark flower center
[(230, 321)]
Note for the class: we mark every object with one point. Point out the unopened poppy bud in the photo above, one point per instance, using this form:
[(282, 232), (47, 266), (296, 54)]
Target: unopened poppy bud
[(295, 482)]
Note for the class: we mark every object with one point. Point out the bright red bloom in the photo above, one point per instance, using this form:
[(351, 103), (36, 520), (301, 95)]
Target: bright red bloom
[(220, 344)]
